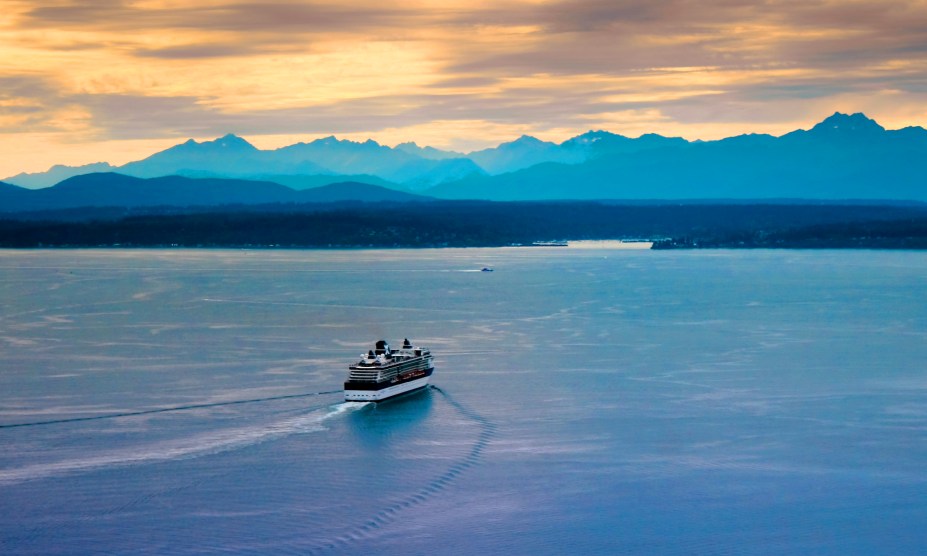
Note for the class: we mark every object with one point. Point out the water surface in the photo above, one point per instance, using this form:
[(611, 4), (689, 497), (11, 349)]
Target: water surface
[(588, 401)]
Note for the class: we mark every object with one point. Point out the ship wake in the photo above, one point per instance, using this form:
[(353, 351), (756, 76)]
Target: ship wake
[(308, 421), (391, 513)]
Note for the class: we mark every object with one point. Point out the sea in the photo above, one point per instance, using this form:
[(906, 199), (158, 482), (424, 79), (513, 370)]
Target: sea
[(585, 401)]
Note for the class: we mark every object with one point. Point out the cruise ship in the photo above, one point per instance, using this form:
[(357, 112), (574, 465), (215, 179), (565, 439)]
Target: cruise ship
[(382, 373)]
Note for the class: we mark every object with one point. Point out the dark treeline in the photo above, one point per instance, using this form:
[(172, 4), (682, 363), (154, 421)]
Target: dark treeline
[(893, 234), (473, 224)]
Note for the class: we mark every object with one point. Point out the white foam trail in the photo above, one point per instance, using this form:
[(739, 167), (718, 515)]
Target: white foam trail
[(194, 446)]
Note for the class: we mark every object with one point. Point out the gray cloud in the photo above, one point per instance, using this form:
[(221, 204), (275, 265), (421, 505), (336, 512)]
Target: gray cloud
[(604, 36), (273, 17), (260, 27), (836, 44), (136, 117), (140, 117), (30, 100), (465, 81), (75, 13), (25, 86), (209, 50)]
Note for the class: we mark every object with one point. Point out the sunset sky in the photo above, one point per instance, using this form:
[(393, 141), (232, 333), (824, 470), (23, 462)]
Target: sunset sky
[(110, 80)]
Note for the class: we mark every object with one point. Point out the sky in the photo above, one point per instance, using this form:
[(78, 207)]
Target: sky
[(110, 80)]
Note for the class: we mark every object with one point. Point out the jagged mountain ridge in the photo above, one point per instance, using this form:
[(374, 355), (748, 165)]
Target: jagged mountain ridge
[(844, 156), (227, 156), (405, 167), (57, 173), (232, 156)]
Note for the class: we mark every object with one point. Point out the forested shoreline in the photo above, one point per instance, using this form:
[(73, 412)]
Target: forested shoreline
[(477, 224)]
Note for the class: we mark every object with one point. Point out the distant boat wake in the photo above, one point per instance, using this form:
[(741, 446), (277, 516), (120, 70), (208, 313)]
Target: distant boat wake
[(194, 446)]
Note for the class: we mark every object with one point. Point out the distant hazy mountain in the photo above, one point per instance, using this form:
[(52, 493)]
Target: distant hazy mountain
[(596, 144), (343, 157), (527, 151), (843, 157), (418, 176), (56, 174), (118, 190), (233, 157), (430, 153), (228, 156), (396, 165), (524, 152)]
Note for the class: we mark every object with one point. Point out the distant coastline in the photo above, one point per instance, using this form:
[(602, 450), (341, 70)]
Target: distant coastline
[(691, 225), (892, 234)]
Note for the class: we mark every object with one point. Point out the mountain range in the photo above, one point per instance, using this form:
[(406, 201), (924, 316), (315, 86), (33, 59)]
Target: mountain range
[(117, 190), (842, 157)]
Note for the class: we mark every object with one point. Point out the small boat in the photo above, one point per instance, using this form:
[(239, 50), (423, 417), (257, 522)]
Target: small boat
[(486, 269), (382, 373)]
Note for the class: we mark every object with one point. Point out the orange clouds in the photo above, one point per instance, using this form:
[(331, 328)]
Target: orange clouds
[(455, 74)]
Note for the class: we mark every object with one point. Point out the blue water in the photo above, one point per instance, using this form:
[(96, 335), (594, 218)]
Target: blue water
[(588, 402)]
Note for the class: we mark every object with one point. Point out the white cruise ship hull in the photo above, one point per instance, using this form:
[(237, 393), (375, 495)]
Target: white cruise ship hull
[(385, 393)]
